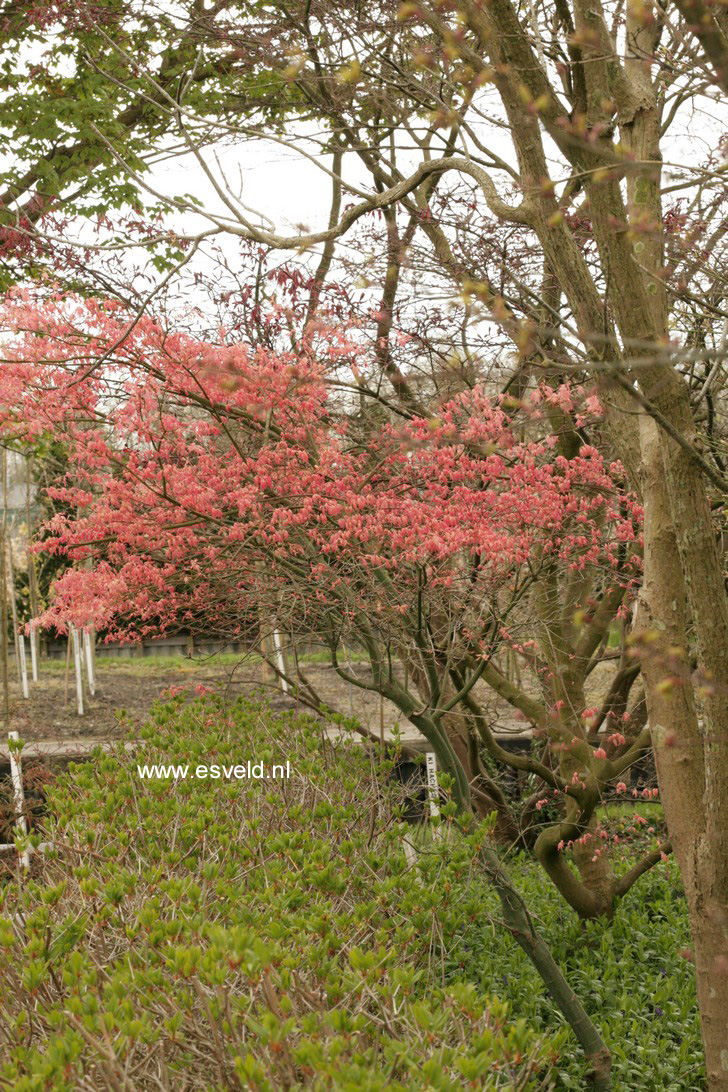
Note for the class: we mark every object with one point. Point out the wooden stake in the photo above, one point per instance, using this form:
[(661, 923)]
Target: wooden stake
[(32, 573), (3, 599), (11, 592), (410, 852), (351, 688), (279, 660), (33, 652), (77, 662), (23, 665), (18, 795), (267, 674), (91, 652), (68, 668), (89, 662), (433, 789)]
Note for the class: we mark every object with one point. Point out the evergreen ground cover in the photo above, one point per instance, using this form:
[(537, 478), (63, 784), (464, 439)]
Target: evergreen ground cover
[(633, 975)]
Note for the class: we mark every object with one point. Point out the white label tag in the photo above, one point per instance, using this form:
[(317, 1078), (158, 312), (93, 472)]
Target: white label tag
[(433, 789)]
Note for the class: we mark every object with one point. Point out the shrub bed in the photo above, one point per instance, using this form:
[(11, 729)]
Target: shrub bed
[(258, 934), (269, 934)]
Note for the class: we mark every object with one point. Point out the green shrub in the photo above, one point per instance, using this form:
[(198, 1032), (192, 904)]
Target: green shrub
[(189, 934)]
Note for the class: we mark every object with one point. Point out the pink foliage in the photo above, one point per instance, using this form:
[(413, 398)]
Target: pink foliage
[(206, 477)]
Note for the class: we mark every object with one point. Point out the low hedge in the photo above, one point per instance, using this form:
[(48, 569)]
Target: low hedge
[(189, 934)]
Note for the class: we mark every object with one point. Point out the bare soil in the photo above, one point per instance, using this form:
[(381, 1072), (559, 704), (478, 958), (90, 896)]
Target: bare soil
[(132, 686)]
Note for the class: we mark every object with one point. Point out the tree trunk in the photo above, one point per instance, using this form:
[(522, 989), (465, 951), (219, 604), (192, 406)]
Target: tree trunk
[(3, 600), (486, 795), (683, 757)]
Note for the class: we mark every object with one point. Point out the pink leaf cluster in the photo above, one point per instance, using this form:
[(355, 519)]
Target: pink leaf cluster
[(206, 477)]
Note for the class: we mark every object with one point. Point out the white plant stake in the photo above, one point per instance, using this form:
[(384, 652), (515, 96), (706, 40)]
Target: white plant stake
[(77, 659), (18, 795), (33, 653), (89, 662), (433, 795), (410, 853), (23, 665), (433, 789), (279, 659)]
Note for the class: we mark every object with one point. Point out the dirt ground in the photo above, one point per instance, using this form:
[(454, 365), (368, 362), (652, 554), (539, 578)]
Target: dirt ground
[(50, 712), (132, 685)]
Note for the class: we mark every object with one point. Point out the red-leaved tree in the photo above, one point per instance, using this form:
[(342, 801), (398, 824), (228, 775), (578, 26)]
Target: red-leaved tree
[(213, 481)]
